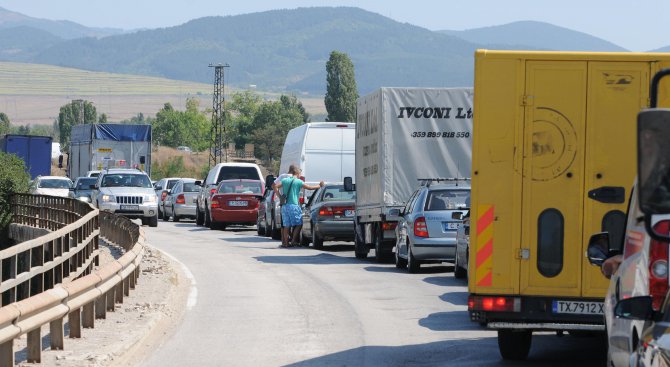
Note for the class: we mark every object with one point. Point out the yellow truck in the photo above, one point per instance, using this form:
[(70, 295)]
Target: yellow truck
[(553, 162)]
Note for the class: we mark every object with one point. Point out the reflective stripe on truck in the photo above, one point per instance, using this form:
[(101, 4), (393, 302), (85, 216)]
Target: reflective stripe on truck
[(484, 257)]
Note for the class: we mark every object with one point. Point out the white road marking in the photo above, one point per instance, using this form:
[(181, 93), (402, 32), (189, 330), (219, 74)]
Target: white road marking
[(193, 294)]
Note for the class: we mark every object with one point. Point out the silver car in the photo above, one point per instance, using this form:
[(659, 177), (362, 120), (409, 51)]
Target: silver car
[(180, 201), (127, 192), (427, 228), (162, 188)]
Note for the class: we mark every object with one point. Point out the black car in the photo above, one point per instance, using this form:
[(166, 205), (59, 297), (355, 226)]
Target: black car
[(328, 215)]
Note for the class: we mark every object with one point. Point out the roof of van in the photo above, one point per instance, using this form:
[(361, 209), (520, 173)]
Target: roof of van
[(331, 124), (234, 164)]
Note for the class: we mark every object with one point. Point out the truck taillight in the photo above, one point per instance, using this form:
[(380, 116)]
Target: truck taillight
[(180, 199), (387, 226), (420, 227), (658, 266), (494, 303), (326, 211)]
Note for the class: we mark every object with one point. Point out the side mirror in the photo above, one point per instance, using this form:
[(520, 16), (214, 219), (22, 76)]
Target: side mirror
[(158, 188), (598, 250), (349, 184), (457, 215), (198, 183), (394, 212), (269, 180), (636, 308), (169, 191)]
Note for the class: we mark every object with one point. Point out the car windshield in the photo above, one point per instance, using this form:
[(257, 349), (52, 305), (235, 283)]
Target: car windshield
[(54, 183), (337, 193), (191, 187), (240, 187), (446, 199), (85, 183), (126, 180)]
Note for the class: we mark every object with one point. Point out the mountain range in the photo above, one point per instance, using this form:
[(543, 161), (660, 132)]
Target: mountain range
[(282, 50)]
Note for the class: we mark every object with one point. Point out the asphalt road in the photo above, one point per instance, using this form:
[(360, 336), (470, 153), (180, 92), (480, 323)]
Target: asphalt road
[(254, 304)]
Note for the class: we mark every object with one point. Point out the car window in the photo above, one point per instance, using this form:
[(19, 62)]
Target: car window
[(446, 199), (125, 180), (240, 188), (313, 197), (243, 173), (170, 184), (413, 206), (190, 187), (408, 205), (85, 183), (336, 193), (54, 184)]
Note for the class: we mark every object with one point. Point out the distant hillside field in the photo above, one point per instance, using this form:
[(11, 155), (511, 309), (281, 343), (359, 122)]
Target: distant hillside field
[(33, 93)]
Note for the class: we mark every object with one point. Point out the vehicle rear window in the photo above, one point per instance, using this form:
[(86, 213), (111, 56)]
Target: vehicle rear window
[(446, 199), (337, 193), (191, 187), (550, 227), (243, 173), (240, 188)]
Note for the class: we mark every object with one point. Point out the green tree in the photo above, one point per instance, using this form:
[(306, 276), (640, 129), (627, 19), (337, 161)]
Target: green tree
[(71, 114), (13, 179), (242, 108), (174, 128), (271, 124), (4, 123), (341, 90), (292, 102), (102, 119)]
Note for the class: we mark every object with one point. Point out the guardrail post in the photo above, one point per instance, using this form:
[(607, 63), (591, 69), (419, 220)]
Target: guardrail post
[(126, 286), (131, 280), (7, 353), (101, 307), (119, 292), (56, 334), (35, 345), (74, 319), (110, 299), (88, 315)]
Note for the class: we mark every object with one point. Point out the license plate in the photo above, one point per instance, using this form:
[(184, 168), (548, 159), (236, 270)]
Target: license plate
[(238, 203), (349, 213), (578, 307), (450, 226), (130, 207)]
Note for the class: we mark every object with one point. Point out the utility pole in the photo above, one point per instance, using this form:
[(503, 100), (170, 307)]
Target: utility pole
[(217, 152)]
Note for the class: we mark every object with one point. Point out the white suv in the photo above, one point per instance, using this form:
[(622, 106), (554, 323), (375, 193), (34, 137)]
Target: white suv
[(127, 192)]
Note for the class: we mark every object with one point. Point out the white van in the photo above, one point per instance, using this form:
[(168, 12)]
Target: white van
[(324, 151)]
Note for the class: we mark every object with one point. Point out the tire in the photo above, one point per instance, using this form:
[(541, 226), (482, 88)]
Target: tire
[(144, 221), (360, 250), (199, 220), (514, 345), (160, 213), (214, 225), (304, 241), (400, 263), (175, 217), (380, 256), (153, 221), (459, 272), (276, 232), (317, 241), (208, 219), (413, 265), (259, 230), (165, 217)]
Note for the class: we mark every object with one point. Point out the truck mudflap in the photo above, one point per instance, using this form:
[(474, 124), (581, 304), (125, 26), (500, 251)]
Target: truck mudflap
[(537, 312)]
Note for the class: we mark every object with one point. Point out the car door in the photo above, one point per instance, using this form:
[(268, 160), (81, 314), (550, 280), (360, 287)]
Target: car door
[(170, 199), (307, 212), (401, 231)]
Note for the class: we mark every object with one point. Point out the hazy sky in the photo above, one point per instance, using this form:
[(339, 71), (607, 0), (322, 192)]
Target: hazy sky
[(636, 25)]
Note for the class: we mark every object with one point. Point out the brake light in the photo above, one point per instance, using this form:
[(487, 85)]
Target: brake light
[(387, 226), (212, 191), (494, 303), (163, 195), (180, 199), (326, 211), (215, 204), (301, 200), (658, 266), (420, 227)]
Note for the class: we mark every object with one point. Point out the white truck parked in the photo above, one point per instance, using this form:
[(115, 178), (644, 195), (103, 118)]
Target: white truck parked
[(403, 135)]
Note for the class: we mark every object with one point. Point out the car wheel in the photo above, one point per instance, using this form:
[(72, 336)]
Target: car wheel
[(276, 231), (175, 217), (259, 230), (153, 221), (400, 263), (144, 221), (160, 213), (514, 345), (317, 241), (413, 265), (360, 250), (304, 241), (208, 219), (199, 220), (213, 225), (459, 271), (380, 256), (165, 216)]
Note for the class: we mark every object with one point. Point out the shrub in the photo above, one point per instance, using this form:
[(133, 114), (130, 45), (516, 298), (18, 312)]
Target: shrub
[(13, 179)]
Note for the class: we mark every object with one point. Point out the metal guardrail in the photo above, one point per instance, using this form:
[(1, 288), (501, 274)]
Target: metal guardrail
[(81, 300)]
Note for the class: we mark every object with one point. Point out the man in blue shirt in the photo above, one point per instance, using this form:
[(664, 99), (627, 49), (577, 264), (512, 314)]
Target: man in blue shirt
[(291, 213)]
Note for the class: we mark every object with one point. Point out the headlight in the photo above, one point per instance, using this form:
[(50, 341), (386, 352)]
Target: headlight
[(149, 198), (108, 198), (85, 199)]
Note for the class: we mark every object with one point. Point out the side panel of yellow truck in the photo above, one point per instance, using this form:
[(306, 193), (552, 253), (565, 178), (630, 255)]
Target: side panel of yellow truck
[(496, 177), (553, 178), (617, 92)]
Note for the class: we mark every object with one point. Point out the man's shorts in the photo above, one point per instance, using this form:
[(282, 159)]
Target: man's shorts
[(291, 215)]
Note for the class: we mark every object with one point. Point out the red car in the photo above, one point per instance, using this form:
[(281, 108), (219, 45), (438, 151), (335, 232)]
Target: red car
[(235, 202)]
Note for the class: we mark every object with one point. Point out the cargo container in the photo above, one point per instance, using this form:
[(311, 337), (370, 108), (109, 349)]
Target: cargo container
[(34, 150), (403, 135), (553, 163), (94, 147)]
